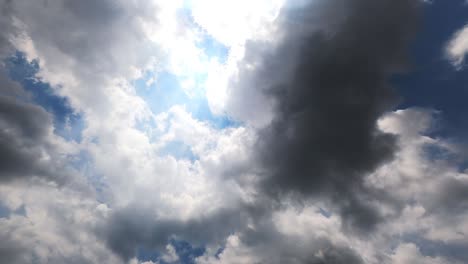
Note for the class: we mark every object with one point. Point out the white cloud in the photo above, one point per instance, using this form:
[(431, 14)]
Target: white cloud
[(171, 255), (409, 253), (43, 235), (457, 48), (235, 252), (90, 52), (233, 23)]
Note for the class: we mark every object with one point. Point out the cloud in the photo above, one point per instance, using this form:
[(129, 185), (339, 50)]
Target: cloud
[(234, 23), (409, 253), (457, 47), (42, 233), (9, 28), (318, 155), (136, 226), (38, 170), (292, 233), (29, 147), (25, 128), (287, 237), (424, 172), (89, 53), (327, 77)]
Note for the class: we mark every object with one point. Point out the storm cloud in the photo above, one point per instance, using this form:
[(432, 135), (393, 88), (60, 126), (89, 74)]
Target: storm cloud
[(328, 77), (134, 228)]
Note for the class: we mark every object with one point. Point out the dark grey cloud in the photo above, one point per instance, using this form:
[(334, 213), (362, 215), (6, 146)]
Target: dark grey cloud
[(23, 126), (336, 256), (94, 34), (454, 251), (328, 77), (273, 246), (135, 227), (26, 144), (11, 252), (8, 87), (8, 29)]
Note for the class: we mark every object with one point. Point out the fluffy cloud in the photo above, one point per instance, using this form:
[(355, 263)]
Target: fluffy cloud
[(38, 229), (406, 191), (27, 141), (457, 47), (327, 78), (315, 154), (409, 253)]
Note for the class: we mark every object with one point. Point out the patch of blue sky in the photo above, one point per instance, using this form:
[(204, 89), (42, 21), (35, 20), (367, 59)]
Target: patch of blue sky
[(324, 212), (146, 125), (67, 122), (178, 150), (187, 253), (145, 255), (5, 212), (164, 93), (167, 92), (439, 153), (184, 250), (453, 251), (435, 153), (83, 162), (219, 252), (213, 48), (432, 81), (209, 45)]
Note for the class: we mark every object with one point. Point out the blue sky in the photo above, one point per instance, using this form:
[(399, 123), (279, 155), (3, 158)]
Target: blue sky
[(432, 81)]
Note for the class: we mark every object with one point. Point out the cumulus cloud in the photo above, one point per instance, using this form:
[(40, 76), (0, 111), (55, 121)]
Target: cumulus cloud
[(25, 130), (409, 253), (318, 155), (29, 147), (89, 53), (425, 173), (415, 213), (328, 78), (457, 48), (40, 232)]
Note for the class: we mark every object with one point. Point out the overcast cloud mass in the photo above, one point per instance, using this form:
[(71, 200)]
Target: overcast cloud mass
[(232, 132)]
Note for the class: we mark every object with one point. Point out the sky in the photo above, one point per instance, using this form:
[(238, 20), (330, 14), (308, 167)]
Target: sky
[(233, 132)]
